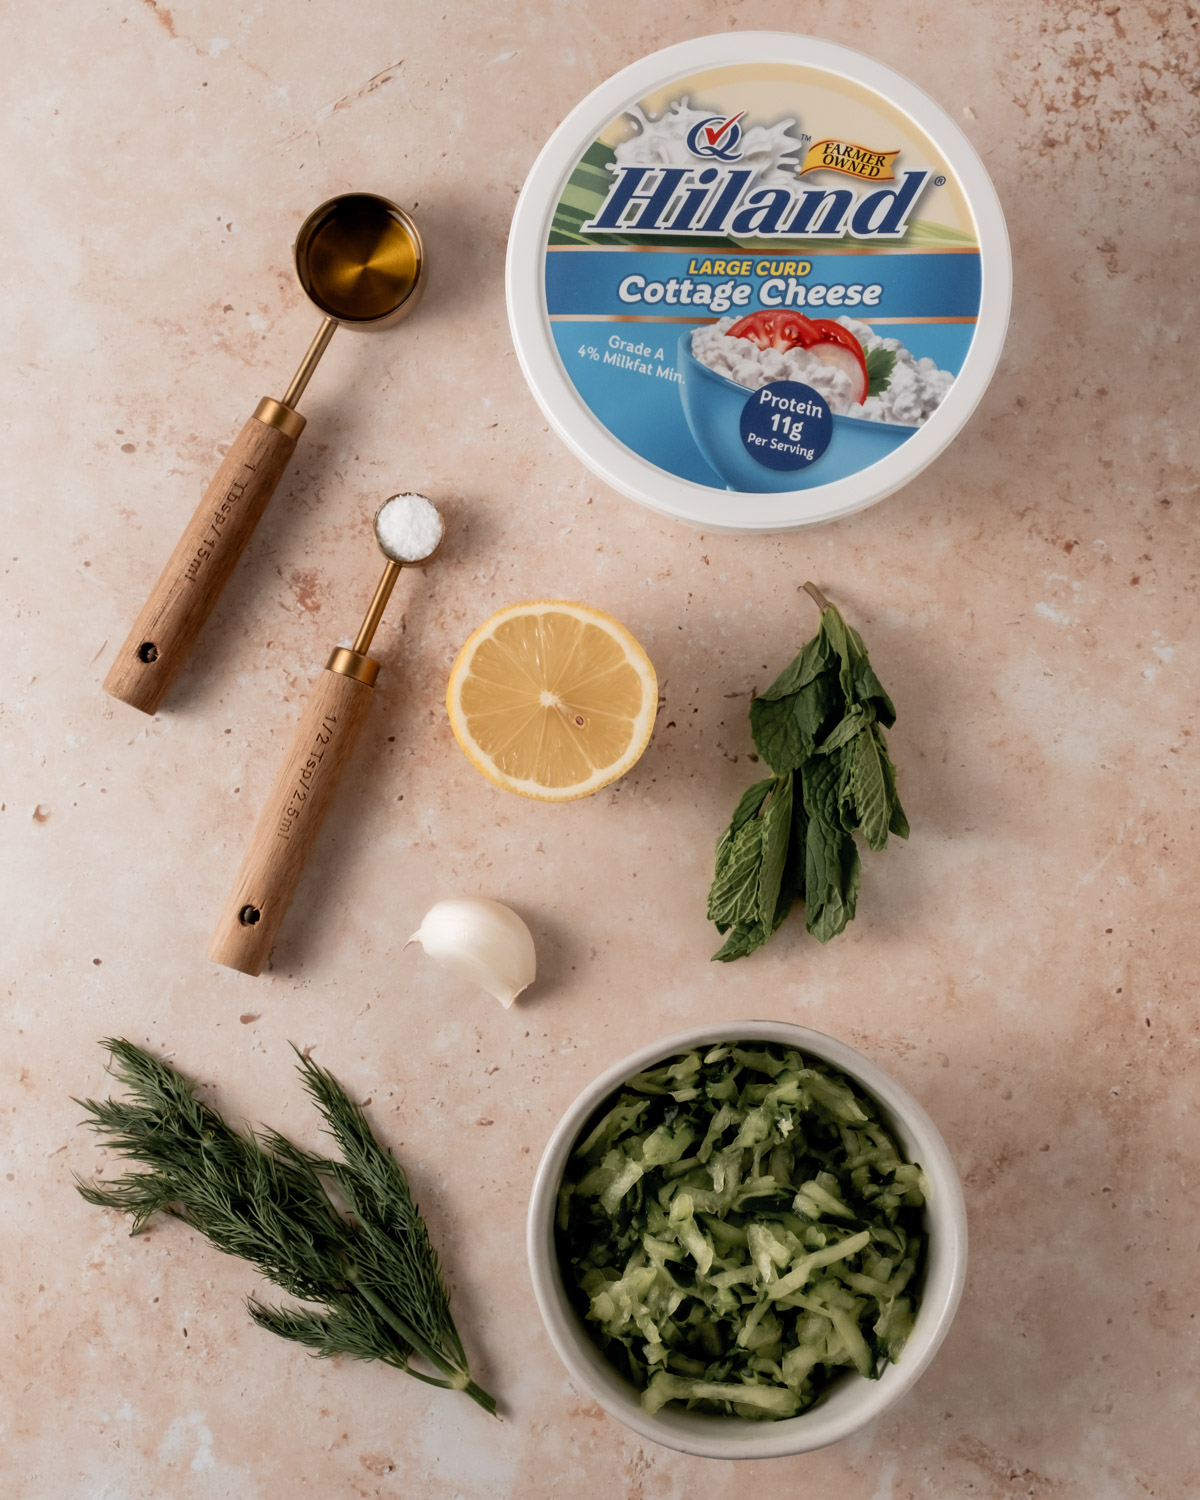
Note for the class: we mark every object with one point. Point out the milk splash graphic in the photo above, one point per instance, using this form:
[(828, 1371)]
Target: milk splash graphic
[(770, 153)]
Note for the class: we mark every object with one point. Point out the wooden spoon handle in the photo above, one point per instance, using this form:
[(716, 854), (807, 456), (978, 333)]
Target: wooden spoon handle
[(197, 571), (289, 822)]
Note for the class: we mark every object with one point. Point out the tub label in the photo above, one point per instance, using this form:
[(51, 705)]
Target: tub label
[(749, 233)]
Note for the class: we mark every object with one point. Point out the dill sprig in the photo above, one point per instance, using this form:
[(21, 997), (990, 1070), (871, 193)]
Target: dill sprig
[(263, 1198)]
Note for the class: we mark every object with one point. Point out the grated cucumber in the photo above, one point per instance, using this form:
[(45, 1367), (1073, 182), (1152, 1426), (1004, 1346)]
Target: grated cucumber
[(738, 1228)]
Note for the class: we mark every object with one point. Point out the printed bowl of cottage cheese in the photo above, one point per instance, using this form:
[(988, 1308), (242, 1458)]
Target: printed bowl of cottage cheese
[(758, 281), (719, 365)]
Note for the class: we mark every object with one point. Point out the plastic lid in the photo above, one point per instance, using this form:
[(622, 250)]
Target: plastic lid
[(758, 281)]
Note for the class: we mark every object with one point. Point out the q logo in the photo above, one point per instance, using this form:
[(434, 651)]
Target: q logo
[(717, 137)]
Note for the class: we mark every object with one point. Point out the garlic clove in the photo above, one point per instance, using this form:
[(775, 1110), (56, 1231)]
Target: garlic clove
[(482, 941)]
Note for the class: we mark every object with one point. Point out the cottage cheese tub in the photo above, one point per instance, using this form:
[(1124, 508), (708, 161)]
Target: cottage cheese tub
[(758, 281)]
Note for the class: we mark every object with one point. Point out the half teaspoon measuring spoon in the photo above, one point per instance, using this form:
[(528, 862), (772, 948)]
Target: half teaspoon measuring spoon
[(359, 259), (409, 531)]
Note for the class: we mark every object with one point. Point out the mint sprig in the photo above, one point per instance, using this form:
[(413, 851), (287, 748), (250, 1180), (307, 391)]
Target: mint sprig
[(820, 729)]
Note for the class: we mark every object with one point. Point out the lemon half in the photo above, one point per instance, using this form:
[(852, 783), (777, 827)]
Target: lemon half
[(552, 699)]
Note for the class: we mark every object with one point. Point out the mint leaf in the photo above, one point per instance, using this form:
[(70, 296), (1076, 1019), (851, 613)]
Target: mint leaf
[(858, 718), (847, 811), (747, 808), (858, 681), (733, 897), (836, 904), (835, 631), (777, 827), (751, 858), (831, 862), (791, 886), (781, 875), (800, 671), (785, 730), (743, 940), (724, 894), (793, 871), (868, 786), (786, 720), (897, 822), (867, 687), (880, 363)]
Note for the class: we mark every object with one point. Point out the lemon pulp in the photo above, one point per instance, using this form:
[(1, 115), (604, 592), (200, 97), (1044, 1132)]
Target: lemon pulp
[(552, 699)]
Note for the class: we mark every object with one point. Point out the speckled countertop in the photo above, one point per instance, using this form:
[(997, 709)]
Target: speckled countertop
[(1025, 965)]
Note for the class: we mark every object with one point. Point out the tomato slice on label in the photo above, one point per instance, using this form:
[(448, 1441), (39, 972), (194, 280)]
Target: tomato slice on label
[(832, 339), (753, 326), (829, 341), (834, 333), (776, 330)]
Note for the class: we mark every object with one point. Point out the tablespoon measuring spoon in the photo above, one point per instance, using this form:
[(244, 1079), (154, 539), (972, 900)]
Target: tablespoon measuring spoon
[(409, 531), (360, 261)]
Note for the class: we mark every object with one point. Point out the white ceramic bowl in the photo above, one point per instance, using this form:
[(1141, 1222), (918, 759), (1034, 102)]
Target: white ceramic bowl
[(851, 1402)]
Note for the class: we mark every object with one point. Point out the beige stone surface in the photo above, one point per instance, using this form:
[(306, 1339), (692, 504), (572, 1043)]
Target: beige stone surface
[(1025, 965)]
